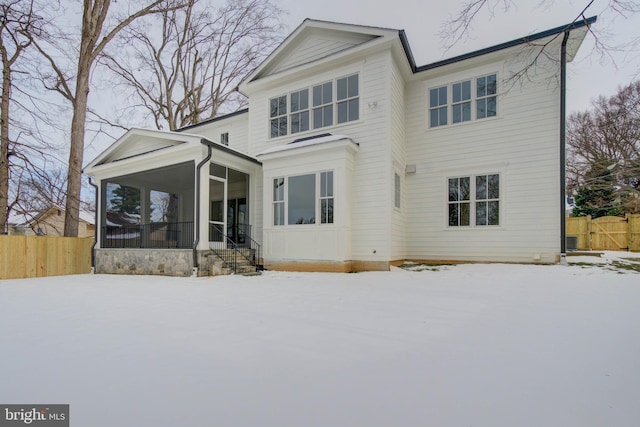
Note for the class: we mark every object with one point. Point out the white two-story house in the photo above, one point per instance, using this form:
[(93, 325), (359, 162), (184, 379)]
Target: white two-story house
[(351, 157)]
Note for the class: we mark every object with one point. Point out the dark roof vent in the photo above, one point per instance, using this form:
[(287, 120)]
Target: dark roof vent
[(322, 135)]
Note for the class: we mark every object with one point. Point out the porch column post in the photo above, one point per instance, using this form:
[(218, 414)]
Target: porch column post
[(203, 242), (145, 216)]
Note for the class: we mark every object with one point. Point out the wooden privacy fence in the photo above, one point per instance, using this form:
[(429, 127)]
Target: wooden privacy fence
[(608, 233), (39, 256)]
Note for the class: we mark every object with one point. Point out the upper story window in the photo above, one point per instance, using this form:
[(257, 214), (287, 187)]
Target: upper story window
[(438, 107), (461, 102), (348, 101), (224, 138), (486, 101), (322, 105), (470, 100), (300, 111), (278, 116)]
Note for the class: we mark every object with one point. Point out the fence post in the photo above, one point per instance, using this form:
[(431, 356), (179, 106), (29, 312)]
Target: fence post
[(589, 235)]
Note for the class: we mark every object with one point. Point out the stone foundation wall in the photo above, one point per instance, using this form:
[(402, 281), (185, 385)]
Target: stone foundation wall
[(166, 262)]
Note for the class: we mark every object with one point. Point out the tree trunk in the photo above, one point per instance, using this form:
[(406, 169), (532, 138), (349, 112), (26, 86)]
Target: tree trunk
[(76, 150), (4, 147)]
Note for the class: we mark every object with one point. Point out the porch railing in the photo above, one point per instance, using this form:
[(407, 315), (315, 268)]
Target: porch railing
[(156, 235), (235, 252)]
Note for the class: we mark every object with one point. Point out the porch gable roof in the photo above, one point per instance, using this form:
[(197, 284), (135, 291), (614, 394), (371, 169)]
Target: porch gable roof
[(139, 142)]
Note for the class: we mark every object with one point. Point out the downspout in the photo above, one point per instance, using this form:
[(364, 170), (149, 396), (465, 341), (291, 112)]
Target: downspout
[(95, 221), (563, 147), (197, 216)]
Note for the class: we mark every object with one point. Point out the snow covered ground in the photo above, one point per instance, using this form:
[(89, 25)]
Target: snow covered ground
[(466, 345)]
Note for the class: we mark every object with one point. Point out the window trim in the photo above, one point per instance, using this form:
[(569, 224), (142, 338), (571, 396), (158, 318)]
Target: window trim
[(224, 138), (318, 199), (299, 112), (279, 115), (474, 200), (333, 105), (397, 191), (450, 104)]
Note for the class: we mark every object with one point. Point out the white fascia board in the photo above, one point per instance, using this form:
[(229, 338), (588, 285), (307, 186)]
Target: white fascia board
[(352, 54), (157, 159), (576, 37), (307, 25), (137, 132), (308, 147)]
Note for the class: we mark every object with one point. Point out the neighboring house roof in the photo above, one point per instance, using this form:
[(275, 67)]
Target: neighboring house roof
[(122, 218), (29, 220), (84, 216)]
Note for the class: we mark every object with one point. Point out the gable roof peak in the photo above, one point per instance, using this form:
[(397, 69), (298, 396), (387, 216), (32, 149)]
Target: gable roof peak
[(315, 40)]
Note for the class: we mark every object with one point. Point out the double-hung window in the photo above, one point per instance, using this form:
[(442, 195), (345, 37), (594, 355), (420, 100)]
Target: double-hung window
[(278, 201), (474, 198), (461, 102), (323, 105), (300, 111), (486, 100), (326, 198), (438, 107), (302, 199), (464, 101), (278, 116), (459, 201), (488, 199), (347, 97)]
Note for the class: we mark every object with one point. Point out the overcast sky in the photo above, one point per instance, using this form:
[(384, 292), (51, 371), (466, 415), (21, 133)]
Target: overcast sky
[(588, 75)]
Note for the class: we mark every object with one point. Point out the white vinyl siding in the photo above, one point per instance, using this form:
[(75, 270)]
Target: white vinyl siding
[(521, 146), (317, 47)]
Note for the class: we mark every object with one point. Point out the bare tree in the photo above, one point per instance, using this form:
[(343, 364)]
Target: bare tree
[(458, 27), (17, 20), (184, 65), (101, 22), (603, 164)]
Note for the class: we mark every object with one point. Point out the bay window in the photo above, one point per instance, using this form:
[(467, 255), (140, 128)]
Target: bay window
[(302, 199)]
